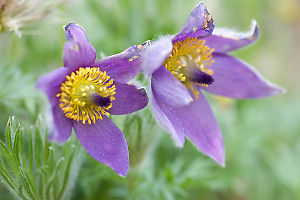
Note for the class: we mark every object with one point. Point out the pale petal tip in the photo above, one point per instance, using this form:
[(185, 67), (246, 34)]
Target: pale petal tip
[(220, 159), (279, 90), (250, 35), (177, 141), (123, 174), (274, 90), (222, 163), (254, 30)]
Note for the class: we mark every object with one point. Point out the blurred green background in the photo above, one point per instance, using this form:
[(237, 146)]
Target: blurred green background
[(261, 136)]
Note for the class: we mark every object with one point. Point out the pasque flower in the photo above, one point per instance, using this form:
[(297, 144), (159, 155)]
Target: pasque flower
[(84, 93), (193, 60)]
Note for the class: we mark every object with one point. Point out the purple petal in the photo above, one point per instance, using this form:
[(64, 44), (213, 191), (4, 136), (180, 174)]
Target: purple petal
[(169, 89), (50, 83), (199, 24), (124, 66), (62, 126), (235, 78), (156, 54), (223, 41), (78, 52), (128, 99), (202, 128), (105, 143), (196, 120), (167, 117)]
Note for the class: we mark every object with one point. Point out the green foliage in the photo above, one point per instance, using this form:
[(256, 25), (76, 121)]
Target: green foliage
[(32, 168), (18, 97), (261, 136)]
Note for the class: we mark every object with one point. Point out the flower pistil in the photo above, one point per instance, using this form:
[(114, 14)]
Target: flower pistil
[(86, 95)]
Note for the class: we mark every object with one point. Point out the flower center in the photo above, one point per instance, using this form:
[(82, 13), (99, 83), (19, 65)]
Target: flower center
[(189, 62), (86, 95)]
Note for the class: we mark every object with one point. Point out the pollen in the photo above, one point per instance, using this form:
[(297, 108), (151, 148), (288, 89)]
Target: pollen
[(187, 59), (79, 91)]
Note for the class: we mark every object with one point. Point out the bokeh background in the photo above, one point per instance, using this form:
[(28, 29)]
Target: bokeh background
[(262, 137)]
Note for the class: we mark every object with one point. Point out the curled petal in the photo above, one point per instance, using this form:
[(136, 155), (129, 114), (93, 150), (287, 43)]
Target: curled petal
[(223, 41), (62, 128), (199, 24), (105, 143), (167, 117), (156, 54), (237, 79), (128, 99), (50, 83), (124, 66), (169, 89), (202, 128), (78, 52)]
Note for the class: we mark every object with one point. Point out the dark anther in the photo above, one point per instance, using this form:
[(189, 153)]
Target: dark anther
[(100, 100), (201, 77)]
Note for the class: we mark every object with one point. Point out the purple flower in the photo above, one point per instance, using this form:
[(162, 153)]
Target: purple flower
[(193, 60), (84, 93)]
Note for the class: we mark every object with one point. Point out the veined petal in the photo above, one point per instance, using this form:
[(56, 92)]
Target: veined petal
[(62, 128), (50, 83), (78, 52), (195, 120), (105, 143), (128, 99), (202, 128), (235, 78), (223, 40), (169, 89), (124, 66), (167, 117), (156, 54), (199, 24)]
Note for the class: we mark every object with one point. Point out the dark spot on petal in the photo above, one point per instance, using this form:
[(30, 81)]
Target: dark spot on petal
[(148, 42), (100, 100), (143, 92)]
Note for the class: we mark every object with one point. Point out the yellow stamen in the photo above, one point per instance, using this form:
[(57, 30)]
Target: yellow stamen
[(188, 55), (76, 94)]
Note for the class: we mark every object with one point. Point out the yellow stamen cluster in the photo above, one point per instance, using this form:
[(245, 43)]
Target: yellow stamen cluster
[(77, 91), (187, 55)]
